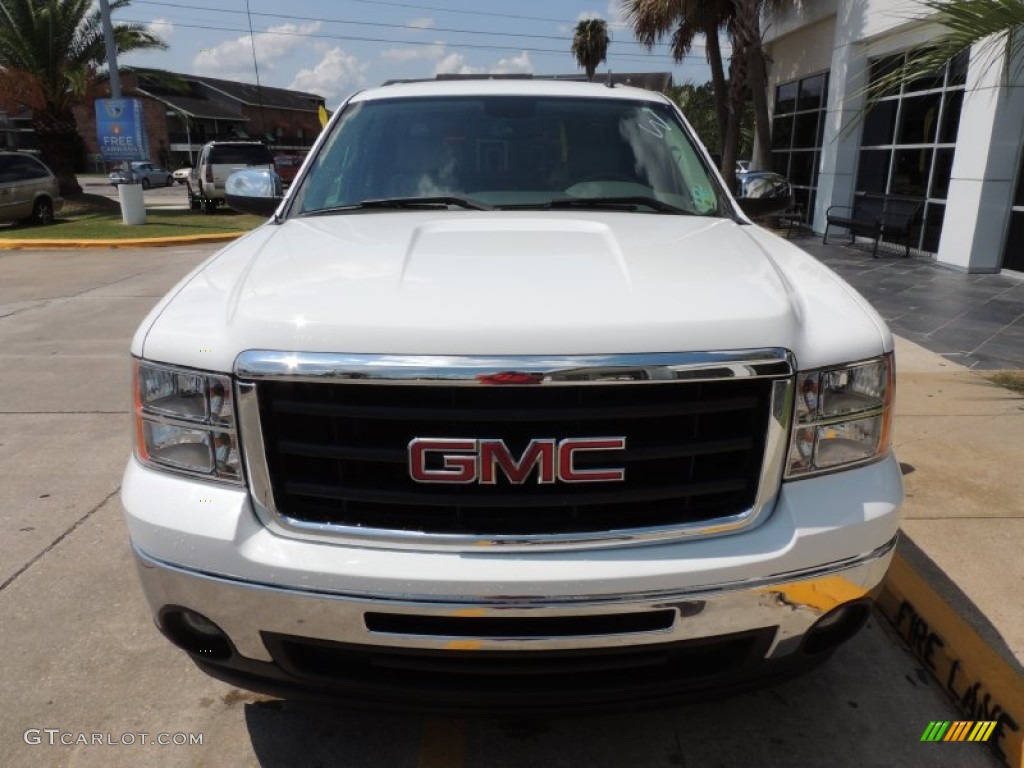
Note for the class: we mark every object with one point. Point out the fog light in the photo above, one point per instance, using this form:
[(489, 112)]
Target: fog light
[(836, 627), (195, 633), (200, 624)]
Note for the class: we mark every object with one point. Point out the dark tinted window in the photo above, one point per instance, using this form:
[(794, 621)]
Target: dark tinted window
[(19, 167), (918, 119), (806, 133), (240, 154), (910, 171), (812, 91), (883, 68), (873, 170), (951, 117), (785, 98)]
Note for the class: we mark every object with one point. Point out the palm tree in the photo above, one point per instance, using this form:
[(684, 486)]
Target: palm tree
[(652, 20), (745, 30), (590, 44), (987, 26), (49, 53)]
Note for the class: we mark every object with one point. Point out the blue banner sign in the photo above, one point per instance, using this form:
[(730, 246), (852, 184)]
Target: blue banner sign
[(121, 130)]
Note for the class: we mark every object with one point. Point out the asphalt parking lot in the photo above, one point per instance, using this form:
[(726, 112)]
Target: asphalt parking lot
[(82, 658)]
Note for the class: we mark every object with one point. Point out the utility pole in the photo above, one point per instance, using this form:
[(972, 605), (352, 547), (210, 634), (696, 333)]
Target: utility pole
[(108, 39), (115, 76), (134, 211)]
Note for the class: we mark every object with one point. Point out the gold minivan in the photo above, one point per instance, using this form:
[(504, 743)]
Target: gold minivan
[(28, 189)]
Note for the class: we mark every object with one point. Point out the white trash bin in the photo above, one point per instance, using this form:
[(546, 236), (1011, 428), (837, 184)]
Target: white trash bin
[(133, 206)]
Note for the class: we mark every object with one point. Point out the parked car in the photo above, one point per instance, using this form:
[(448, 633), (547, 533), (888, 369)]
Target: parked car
[(144, 173), (181, 175), (218, 160), (28, 189), (287, 167)]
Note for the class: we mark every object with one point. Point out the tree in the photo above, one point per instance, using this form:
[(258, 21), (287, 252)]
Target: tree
[(745, 30), (49, 53), (590, 44), (698, 104), (988, 26), (652, 20)]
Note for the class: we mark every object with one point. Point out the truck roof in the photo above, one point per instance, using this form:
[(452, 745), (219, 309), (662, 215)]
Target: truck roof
[(511, 87)]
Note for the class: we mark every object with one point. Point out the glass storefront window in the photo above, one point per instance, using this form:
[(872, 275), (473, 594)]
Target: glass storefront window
[(879, 123), (919, 116), (812, 91), (798, 126), (910, 170), (873, 170), (908, 141), (785, 98)]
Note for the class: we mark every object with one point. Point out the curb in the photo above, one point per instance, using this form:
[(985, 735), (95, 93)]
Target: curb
[(139, 242), (981, 683)]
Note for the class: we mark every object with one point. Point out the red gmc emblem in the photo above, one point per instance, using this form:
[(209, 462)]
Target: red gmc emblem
[(467, 460)]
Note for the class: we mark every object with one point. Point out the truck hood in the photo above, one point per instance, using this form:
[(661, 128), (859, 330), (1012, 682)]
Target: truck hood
[(473, 283)]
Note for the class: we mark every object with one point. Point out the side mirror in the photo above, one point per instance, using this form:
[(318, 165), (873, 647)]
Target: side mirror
[(258, 191), (763, 193)]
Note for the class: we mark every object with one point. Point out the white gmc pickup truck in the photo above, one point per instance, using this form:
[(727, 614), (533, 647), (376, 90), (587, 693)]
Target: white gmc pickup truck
[(509, 406)]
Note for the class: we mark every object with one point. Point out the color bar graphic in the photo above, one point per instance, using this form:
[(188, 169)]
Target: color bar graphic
[(959, 730)]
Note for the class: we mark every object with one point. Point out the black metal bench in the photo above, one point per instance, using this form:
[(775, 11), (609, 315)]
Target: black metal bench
[(876, 216), (792, 218)]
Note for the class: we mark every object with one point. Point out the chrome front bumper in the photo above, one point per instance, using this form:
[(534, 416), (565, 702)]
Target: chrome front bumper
[(786, 603)]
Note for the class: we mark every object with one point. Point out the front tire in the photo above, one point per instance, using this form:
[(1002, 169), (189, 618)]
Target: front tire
[(42, 212), (194, 203), (145, 183)]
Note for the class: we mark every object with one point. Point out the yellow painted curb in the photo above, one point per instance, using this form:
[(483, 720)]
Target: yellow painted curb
[(981, 683), (140, 242)]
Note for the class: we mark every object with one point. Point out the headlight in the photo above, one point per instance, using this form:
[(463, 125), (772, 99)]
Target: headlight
[(185, 421), (842, 418)]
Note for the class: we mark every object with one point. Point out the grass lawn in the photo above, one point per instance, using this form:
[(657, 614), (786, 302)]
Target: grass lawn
[(94, 217)]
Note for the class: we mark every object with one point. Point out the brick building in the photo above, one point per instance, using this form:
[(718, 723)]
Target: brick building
[(183, 112)]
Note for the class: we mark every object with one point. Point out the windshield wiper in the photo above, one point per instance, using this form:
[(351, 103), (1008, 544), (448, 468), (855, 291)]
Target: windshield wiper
[(618, 202), (627, 202), (400, 203)]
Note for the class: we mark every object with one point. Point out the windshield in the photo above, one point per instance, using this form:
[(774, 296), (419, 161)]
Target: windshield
[(510, 152)]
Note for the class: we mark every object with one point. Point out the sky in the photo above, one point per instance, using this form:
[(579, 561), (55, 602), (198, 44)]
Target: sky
[(335, 47)]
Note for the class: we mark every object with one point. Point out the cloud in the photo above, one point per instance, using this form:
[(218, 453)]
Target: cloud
[(520, 64), (616, 16), (612, 17), (336, 74), (427, 52), (233, 58), (162, 28), (455, 64), (422, 23)]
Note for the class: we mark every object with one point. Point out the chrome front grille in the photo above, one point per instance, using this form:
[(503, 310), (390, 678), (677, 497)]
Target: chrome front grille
[(702, 448)]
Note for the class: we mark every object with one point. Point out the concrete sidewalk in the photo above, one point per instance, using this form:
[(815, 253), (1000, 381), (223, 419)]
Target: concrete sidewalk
[(976, 320), (954, 590), (960, 440)]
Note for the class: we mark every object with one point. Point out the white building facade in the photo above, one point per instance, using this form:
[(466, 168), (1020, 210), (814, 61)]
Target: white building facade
[(954, 142)]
